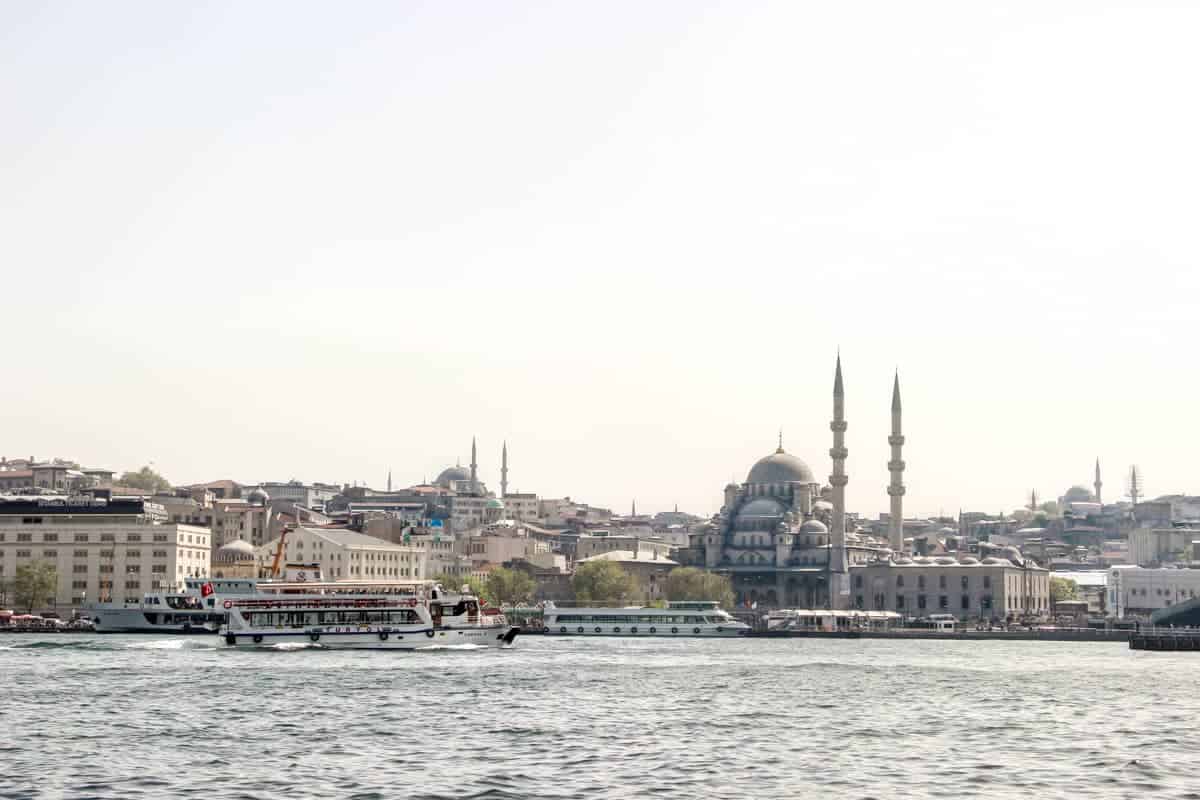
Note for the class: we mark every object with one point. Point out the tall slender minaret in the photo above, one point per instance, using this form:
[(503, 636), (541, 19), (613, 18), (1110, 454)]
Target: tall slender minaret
[(474, 468), (1098, 482), (896, 467), (633, 508), (504, 470), (389, 481), (839, 579)]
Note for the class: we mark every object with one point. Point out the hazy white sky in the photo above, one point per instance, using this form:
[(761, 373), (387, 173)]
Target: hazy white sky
[(276, 240)]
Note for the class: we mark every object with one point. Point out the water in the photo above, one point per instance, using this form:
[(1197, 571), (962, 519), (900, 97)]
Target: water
[(128, 717)]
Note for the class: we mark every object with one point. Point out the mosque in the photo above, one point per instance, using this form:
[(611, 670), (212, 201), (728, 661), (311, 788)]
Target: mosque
[(782, 537)]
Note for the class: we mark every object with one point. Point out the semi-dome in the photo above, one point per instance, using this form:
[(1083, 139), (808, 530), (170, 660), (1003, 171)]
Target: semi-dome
[(968, 560), (258, 496), (451, 474), (780, 467), (822, 505), (760, 507), (495, 502), (814, 526)]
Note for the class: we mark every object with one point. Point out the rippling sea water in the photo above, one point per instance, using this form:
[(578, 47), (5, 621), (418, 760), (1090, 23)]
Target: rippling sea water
[(127, 717)]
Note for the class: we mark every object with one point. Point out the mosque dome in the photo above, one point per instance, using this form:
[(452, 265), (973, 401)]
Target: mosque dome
[(822, 505), (780, 467), (258, 496), (237, 550), (992, 561), (495, 502), (814, 526), (451, 474), (968, 560), (1078, 494)]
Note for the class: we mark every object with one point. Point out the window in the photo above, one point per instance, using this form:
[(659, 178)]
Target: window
[(50, 537), (858, 601), (79, 568), (966, 582), (22, 554), (50, 554), (858, 582), (133, 584), (78, 584), (160, 553), (899, 581), (985, 602), (24, 537), (943, 601), (81, 537), (941, 581), (133, 568), (159, 568), (160, 537), (921, 583), (133, 553), (899, 601), (920, 601), (107, 537), (966, 601), (105, 568), (133, 537), (987, 581)]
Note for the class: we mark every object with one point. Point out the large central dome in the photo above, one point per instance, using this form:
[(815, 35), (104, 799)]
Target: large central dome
[(780, 467), (452, 475)]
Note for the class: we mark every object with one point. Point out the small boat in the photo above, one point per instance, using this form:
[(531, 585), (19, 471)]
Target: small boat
[(679, 619)]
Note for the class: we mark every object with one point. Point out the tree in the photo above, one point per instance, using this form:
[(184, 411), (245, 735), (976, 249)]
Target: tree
[(33, 584), (453, 583), (1063, 589), (508, 587), (692, 583), (145, 479), (603, 583)]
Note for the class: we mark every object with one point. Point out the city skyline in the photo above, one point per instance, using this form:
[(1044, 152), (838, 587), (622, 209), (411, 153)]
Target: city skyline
[(269, 241)]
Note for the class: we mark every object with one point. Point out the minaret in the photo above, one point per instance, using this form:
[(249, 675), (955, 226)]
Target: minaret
[(839, 579), (389, 481), (504, 470), (896, 467), (474, 469), (633, 508), (1098, 482)]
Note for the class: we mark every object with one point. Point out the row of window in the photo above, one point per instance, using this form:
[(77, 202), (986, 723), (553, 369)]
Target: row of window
[(943, 601), (110, 553), (84, 538), (943, 582)]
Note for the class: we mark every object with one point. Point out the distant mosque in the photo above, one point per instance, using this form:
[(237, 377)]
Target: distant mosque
[(782, 537)]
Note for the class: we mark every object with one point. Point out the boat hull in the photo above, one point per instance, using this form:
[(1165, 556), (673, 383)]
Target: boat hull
[(648, 632), (133, 620), (375, 639)]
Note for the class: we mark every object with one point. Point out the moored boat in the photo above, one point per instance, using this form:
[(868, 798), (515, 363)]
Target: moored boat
[(679, 619)]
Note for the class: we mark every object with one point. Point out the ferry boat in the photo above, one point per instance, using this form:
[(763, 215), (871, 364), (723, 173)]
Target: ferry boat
[(190, 612), (679, 619), (339, 617)]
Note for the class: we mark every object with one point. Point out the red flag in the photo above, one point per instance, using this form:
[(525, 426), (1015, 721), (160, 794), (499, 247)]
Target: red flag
[(206, 590)]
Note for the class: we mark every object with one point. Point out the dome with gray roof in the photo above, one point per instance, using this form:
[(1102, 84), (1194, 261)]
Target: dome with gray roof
[(451, 475), (780, 467)]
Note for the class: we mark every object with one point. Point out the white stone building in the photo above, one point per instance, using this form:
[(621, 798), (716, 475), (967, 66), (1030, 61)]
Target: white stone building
[(117, 549), (345, 555), (1136, 592)]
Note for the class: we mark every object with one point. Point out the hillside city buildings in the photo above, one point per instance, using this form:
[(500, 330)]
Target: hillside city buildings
[(783, 537)]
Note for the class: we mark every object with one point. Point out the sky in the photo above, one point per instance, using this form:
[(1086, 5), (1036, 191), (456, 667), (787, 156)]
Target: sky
[(277, 240)]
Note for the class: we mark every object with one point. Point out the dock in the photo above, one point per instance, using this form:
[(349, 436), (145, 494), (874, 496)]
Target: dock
[(1169, 639)]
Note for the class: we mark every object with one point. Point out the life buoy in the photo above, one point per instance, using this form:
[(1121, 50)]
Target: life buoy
[(383, 636), (696, 631), (563, 629), (579, 629), (674, 630), (429, 633), (633, 629), (258, 638), (228, 604), (653, 629), (617, 629), (720, 629), (597, 629), (315, 636), (230, 639)]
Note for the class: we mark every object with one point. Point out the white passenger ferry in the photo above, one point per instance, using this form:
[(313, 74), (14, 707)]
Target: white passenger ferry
[(369, 615), (695, 618), (190, 612)]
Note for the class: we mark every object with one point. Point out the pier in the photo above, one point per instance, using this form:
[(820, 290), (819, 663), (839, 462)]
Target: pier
[(1165, 639)]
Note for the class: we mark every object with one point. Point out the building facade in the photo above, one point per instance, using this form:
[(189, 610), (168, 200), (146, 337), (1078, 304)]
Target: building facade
[(969, 588), (1137, 592), (345, 555), (102, 550)]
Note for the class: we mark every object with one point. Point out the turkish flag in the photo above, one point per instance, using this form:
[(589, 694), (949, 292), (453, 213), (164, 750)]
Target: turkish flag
[(206, 590)]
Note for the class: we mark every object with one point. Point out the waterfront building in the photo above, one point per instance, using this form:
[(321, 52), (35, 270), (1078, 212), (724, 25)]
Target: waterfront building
[(1136, 592), (967, 587), (347, 555), (228, 518), (55, 475), (101, 549)]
